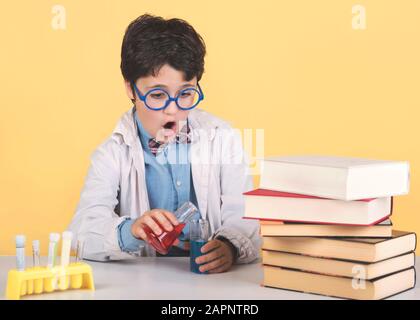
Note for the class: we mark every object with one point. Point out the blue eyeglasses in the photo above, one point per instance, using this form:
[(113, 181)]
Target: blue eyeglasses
[(158, 99)]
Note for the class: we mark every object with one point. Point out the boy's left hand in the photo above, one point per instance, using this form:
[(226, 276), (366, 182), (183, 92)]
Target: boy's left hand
[(217, 257)]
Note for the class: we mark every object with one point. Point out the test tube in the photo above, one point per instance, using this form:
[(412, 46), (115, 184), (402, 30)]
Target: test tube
[(64, 280), (50, 284), (52, 249), (35, 253), (20, 259), (37, 285), (76, 280), (79, 250), (65, 249), (20, 252)]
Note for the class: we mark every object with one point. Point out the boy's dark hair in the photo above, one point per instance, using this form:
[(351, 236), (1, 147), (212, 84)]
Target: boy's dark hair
[(151, 41)]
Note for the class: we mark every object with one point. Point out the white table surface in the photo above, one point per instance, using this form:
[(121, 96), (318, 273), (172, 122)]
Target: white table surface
[(169, 278)]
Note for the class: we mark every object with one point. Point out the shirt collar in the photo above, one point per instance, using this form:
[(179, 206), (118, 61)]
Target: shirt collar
[(126, 129), (143, 134), (145, 137)]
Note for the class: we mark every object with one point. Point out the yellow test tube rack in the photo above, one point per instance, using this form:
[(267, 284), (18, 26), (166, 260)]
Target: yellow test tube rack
[(36, 280)]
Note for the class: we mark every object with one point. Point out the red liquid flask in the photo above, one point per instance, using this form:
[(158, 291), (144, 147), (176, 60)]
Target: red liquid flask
[(163, 242)]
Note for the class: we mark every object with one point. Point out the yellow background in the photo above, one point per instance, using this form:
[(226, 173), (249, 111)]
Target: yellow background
[(294, 68)]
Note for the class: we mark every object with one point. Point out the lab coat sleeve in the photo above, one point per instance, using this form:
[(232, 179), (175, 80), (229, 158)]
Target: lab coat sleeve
[(95, 221), (235, 180)]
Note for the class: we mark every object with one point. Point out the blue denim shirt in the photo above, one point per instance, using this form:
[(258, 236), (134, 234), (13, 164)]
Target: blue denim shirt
[(169, 185)]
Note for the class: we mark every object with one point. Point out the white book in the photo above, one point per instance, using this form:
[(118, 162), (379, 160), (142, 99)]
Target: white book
[(340, 178)]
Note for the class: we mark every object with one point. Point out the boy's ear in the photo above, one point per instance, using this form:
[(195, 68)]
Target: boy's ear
[(129, 90)]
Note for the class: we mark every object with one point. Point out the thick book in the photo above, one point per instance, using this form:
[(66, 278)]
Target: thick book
[(357, 249), (341, 178), (295, 229), (336, 267), (285, 206), (341, 287)]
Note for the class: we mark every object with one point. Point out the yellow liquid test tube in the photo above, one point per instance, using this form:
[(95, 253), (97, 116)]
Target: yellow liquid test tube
[(64, 280)]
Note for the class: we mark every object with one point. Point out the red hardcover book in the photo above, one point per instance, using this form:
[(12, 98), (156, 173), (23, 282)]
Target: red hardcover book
[(265, 204)]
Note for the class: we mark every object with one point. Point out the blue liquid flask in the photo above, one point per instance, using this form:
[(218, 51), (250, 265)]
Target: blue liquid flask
[(199, 236)]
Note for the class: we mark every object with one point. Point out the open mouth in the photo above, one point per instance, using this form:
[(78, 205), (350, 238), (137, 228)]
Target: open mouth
[(169, 125), (169, 128)]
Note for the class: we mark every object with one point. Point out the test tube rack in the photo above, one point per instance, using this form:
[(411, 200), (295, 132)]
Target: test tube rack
[(37, 280)]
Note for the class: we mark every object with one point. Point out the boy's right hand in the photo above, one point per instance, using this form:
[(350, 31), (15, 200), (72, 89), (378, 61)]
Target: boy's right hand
[(155, 219)]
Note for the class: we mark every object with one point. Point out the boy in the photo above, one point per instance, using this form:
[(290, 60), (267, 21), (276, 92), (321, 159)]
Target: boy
[(137, 178)]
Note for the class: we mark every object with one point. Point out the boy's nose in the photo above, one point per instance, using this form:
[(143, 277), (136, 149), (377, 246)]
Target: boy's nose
[(172, 108)]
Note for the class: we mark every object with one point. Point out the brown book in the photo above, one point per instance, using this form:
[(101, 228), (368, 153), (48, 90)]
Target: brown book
[(335, 267), (289, 229), (357, 249), (342, 287)]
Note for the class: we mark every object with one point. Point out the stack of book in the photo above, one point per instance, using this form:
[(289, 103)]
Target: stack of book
[(326, 227)]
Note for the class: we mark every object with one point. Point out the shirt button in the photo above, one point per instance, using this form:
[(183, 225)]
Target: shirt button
[(178, 183)]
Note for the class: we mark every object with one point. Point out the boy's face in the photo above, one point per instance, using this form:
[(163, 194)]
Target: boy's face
[(162, 124)]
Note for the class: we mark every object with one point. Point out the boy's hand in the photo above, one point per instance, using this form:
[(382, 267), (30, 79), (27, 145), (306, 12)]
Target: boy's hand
[(155, 219), (219, 259)]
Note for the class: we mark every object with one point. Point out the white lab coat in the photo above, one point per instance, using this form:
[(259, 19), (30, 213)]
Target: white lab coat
[(115, 188)]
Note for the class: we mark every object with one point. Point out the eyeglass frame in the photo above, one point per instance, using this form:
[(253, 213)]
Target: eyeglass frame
[(170, 99)]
